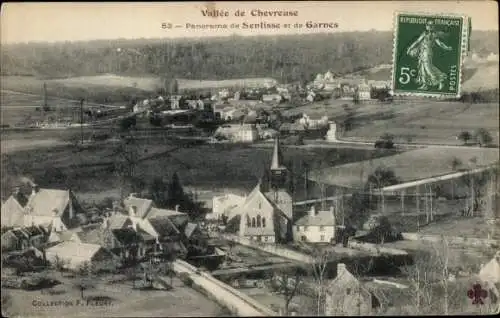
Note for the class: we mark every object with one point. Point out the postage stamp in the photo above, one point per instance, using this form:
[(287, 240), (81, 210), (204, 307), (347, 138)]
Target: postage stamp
[(428, 54)]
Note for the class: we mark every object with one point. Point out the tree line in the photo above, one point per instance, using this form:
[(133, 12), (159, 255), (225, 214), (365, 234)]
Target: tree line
[(287, 58)]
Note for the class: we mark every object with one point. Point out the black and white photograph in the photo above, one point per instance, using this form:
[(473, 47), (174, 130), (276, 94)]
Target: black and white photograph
[(243, 159)]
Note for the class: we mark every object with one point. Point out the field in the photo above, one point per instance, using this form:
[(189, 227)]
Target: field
[(125, 301), (208, 167), (407, 166), (207, 84), (417, 121), (111, 80)]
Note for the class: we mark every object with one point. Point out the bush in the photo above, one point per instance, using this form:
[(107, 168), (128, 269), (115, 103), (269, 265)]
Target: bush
[(186, 279)]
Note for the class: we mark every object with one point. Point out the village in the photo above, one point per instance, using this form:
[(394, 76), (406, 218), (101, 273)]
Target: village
[(273, 175)]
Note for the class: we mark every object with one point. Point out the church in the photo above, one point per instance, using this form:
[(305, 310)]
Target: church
[(266, 215)]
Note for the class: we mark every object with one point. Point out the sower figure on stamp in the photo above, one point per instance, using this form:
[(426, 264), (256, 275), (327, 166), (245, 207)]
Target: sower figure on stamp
[(423, 49)]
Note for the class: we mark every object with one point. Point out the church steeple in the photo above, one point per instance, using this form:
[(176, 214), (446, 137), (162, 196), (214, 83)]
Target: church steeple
[(278, 170), (276, 161)]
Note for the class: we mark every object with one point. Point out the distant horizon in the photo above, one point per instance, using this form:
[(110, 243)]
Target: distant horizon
[(52, 22), (194, 38)]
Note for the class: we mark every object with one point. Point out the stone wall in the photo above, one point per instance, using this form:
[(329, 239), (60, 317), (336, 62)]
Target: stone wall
[(375, 248), (271, 248), (459, 240)]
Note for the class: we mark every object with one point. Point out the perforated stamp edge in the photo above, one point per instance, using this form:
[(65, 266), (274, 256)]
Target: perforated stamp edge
[(464, 47)]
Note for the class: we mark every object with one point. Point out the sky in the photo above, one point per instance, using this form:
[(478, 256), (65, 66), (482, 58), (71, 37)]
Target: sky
[(52, 21)]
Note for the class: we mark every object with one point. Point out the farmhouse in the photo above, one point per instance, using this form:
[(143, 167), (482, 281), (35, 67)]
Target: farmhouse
[(315, 227), (346, 296), (52, 208), (224, 205), (490, 272), (24, 237), (75, 254), (237, 133), (12, 210), (313, 121)]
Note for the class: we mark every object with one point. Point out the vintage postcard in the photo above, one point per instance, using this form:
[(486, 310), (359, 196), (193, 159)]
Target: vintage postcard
[(246, 158)]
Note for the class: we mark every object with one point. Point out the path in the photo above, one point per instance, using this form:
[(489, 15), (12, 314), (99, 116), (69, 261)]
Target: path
[(232, 298)]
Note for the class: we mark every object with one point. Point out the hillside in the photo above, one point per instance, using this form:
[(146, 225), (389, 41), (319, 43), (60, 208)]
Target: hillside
[(286, 58)]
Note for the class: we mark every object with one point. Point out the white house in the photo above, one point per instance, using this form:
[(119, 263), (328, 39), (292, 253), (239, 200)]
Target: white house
[(315, 227), (224, 205), (314, 121), (490, 272), (364, 92), (238, 133), (51, 208), (272, 98), (75, 254)]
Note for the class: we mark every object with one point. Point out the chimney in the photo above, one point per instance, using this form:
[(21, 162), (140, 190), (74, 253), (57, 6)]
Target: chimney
[(132, 210), (34, 189), (312, 211), (341, 269), (177, 208)]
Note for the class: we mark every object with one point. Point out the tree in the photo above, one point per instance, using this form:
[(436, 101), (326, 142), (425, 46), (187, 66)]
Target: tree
[(455, 163), (319, 270), (127, 123), (58, 263), (85, 279), (177, 196), (286, 282), (477, 185), (127, 158), (173, 88), (380, 178), (464, 136), (159, 192), (483, 137)]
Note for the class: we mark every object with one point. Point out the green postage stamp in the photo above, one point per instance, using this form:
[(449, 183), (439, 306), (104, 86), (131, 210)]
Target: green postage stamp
[(428, 53)]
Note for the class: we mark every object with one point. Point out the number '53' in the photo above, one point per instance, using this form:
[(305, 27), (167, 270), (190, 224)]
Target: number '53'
[(406, 75), (165, 25)]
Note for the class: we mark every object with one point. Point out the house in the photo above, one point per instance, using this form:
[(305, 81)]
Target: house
[(364, 92), (313, 121), (292, 128), (64, 236), (267, 213), (224, 205), (52, 208), (346, 296), (267, 133), (378, 84), (175, 101), (331, 134), (12, 214), (490, 272), (12, 210), (272, 98), (315, 227), (22, 238), (237, 133), (75, 254), (140, 108)]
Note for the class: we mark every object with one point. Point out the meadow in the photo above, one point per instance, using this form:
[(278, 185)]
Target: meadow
[(407, 166), (207, 167)]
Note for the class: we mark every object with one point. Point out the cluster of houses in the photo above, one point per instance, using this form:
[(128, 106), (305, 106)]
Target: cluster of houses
[(48, 221), (346, 88), (266, 214)]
